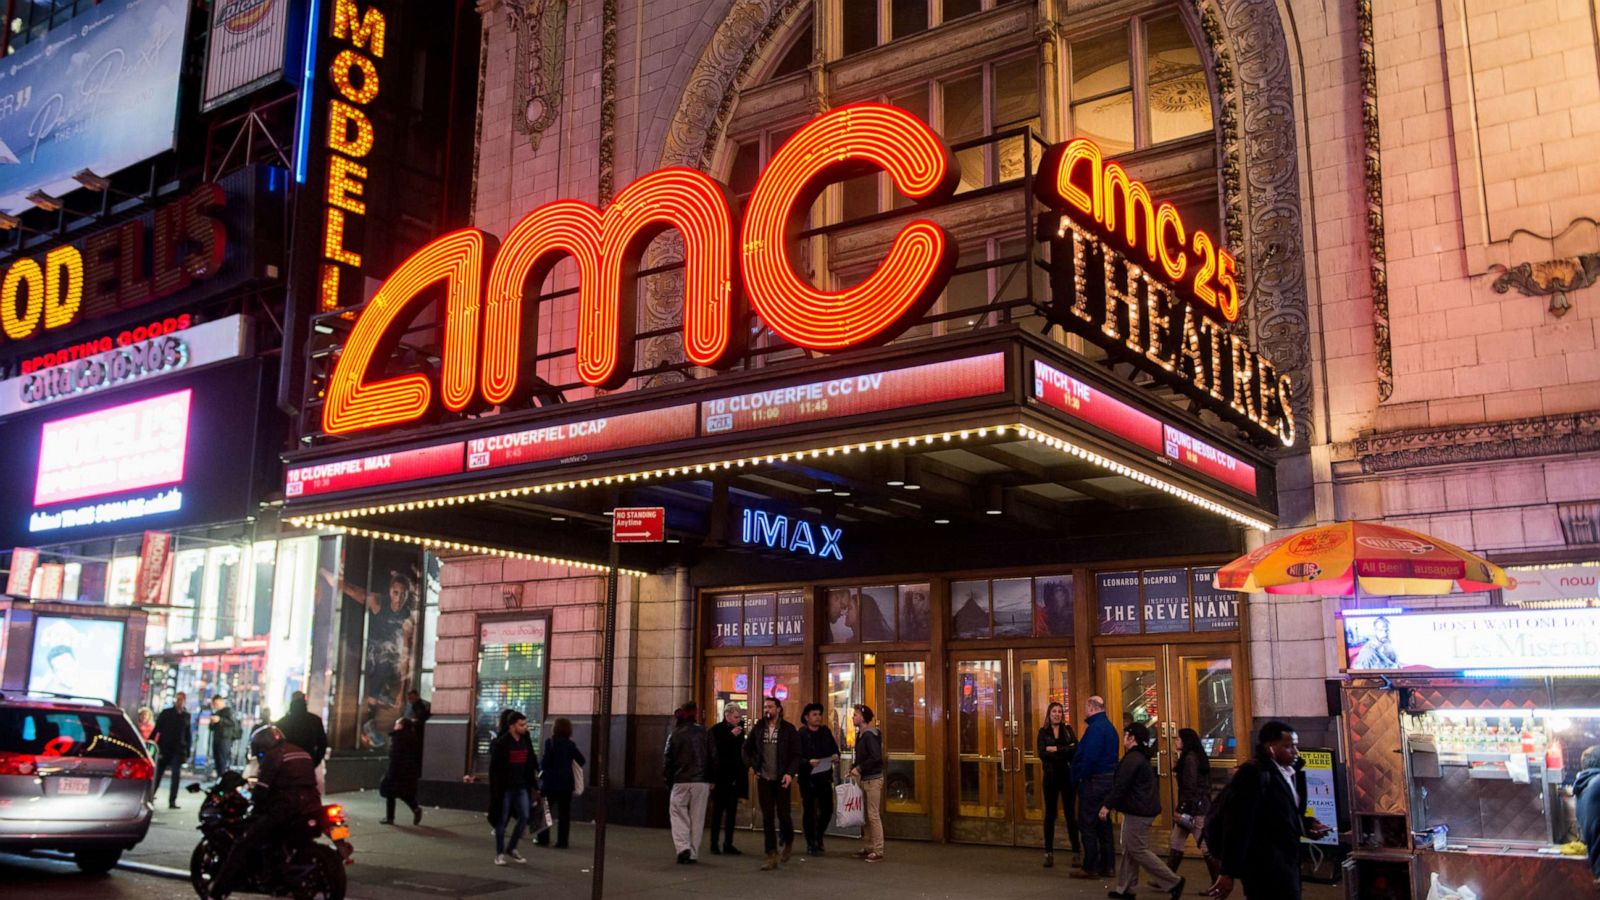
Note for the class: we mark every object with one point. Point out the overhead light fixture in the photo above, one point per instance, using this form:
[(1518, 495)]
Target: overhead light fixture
[(558, 518), (841, 493), (45, 201), (824, 490), (913, 487), (941, 521), (89, 180), (321, 328), (996, 505), (610, 512), (897, 482), (673, 541)]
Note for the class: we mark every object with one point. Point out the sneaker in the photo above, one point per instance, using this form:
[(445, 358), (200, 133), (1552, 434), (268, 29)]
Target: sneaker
[(385, 821), (499, 859), (1049, 860), (873, 857), (783, 855), (683, 858), (516, 857)]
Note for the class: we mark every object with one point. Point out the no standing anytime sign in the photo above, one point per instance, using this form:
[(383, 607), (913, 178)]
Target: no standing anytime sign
[(639, 525)]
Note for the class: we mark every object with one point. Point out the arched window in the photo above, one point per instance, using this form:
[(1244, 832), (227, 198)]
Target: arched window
[(1139, 84)]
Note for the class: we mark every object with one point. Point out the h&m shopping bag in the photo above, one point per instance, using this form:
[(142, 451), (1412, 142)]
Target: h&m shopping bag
[(849, 806)]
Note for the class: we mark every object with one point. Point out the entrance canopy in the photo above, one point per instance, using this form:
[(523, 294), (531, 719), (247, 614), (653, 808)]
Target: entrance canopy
[(998, 434)]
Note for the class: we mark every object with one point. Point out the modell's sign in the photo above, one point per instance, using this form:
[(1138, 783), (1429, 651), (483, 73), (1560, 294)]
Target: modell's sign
[(1174, 314), (141, 260)]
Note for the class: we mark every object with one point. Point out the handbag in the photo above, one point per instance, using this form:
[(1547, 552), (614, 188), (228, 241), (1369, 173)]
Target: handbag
[(849, 805), (577, 779)]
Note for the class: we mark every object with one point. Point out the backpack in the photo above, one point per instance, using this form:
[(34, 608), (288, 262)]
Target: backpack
[(1223, 812), (231, 728)]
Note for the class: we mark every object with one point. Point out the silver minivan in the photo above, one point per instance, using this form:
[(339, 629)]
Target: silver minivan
[(74, 776)]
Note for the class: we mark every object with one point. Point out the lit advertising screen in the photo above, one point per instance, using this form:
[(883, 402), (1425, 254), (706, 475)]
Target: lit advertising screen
[(180, 451), (76, 657), (109, 451), (100, 92)]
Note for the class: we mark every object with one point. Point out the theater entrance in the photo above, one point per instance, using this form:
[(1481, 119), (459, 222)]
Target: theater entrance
[(999, 700)]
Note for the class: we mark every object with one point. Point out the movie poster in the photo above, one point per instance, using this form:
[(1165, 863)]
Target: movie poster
[(393, 600), (844, 621), (915, 612), (1054, 604), (878, 613)]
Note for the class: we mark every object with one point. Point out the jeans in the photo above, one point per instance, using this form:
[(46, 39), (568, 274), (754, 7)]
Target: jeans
[(1062, 791), (724, 813), (222, 753), (776, 822), (516, 803), (687, 810), (816, 806), (1098, 851), (174, 762), (872, 828), (1136, 855)]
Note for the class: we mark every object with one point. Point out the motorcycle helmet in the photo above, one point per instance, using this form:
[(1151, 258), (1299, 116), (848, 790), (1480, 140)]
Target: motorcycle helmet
[(265, 739)]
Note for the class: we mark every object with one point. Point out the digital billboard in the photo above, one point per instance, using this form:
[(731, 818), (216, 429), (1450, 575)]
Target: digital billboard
[(76, 657), (177, 452), (99, 92)]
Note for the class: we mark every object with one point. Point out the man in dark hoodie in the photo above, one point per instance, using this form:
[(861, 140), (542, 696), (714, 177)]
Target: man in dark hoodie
[(303, 728), (1587, 792), (1135, 794), (225, 729), (1092, 765)]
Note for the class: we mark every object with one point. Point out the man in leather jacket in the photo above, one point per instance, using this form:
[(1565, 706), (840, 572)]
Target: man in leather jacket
[(689, 766), (285, 790)]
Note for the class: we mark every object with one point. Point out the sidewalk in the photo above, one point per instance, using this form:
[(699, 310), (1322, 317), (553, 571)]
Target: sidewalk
[(451, 856)]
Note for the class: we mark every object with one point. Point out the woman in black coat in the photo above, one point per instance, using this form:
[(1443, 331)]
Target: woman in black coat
[(556, 780), (405, 770), (1057, 743)]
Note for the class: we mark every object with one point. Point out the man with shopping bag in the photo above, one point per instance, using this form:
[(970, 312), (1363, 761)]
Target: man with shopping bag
[(868, 771)]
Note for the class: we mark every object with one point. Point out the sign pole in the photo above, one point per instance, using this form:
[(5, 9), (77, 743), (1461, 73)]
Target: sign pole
[(602, 742)]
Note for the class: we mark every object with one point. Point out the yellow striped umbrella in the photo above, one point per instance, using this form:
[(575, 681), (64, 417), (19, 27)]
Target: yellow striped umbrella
[(1341, 559)]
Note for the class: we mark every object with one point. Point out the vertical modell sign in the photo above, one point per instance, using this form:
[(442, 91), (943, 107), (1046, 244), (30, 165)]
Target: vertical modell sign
[(639, 525)]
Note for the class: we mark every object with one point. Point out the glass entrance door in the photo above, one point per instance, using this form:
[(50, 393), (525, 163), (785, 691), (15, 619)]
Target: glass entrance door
[(1000, 699), (1170, 688)]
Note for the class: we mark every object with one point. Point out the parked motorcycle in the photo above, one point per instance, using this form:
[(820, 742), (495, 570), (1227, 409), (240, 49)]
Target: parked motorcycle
[(299, 866)]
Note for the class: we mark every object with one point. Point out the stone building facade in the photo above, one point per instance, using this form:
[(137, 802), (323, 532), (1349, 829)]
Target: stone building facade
[(1410, 189)]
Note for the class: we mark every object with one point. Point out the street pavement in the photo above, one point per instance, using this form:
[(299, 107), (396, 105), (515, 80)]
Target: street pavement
[(451, 855)]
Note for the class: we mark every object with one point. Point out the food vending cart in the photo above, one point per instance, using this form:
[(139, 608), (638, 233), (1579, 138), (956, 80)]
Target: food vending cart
[(1464, 731)]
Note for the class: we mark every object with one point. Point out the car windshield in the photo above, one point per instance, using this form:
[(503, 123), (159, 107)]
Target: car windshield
[(84, 733)]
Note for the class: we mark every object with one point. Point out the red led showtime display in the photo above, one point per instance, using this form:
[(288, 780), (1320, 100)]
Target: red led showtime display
[(572, 441), (1095, 407), (374, 470), (851, 140), (853, 395), (124, 448)]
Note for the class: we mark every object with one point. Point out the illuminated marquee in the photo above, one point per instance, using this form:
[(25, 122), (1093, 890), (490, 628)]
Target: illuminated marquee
[(353, 74), (1172, 318), (1133, 279)]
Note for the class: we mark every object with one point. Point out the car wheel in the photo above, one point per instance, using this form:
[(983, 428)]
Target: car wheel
[(98, 861)]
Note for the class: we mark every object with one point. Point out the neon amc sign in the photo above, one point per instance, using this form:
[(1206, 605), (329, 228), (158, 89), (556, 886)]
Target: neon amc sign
[(490, 332)]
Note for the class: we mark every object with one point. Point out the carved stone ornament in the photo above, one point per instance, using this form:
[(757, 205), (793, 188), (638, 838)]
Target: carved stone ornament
[(540, 30), (1553, 278), (1372, 173), (1454, 445)]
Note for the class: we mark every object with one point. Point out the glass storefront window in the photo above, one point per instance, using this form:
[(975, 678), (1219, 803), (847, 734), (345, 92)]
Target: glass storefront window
[(289, 637), (512, 662), (980, 767), (730, 684), (904, 718), (188, 569), (842, 680), (782, 681), (1208, 695), (1043, 682)]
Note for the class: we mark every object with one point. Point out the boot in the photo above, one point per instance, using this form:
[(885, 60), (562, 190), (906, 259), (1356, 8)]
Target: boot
[(771, 863), (783, 855), (1049, 860), (1174, 859), (731, 850)]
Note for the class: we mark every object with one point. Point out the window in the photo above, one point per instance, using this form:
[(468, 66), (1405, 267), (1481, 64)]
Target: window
[(865, 24), (512, 661), (1141, 85), (797, 58), (33, 19)]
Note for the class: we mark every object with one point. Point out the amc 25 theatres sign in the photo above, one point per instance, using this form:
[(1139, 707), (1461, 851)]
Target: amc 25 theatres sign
[(1172, 312)]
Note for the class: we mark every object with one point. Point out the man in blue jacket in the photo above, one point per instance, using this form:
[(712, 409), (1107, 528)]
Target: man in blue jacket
[(1092, 769)]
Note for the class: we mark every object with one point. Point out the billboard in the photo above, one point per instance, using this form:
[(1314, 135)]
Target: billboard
[(246, 48), (172, 453), (76, 657), (98, 93), (1492, 640)]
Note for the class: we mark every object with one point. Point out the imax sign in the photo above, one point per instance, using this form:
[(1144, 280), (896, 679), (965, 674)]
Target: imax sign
[(760, 528)]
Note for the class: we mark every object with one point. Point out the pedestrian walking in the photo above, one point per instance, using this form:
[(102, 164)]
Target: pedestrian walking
[(513, 784), (1056, 745), (1092, 766), (689, 766), (820, 751), (772, 750), (868, 772), (405, 770), (1260, 818), (225, 730), (303, 728), (1194, 802), (558, 780), (173, 740), (1134, 793), (1586, 790), (732, 782)]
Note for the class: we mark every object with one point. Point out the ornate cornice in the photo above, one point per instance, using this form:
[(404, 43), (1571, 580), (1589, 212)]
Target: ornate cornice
[(1377, 252), (1487, 442), (1553, 278), (608, 101)]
